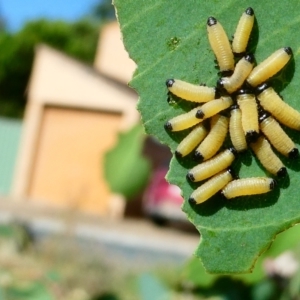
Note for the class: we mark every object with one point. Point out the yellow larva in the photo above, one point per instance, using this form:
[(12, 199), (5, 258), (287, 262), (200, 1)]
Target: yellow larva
[(213, 107), (240, 74), (220, 45), (270, 66), (212, 166), (277, 137), (248, 106), (242, 33), (236, 130), (215, 138), (191, 92), (183, 121), (268, 158), (248, 186), (191, 141), (280, 110), (211, 187)]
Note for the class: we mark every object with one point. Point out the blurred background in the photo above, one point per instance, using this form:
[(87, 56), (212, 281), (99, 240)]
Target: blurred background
[(85, 211)]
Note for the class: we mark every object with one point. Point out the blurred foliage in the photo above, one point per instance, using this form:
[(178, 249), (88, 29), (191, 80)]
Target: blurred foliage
[(57, 268), (104, 11), (152, 288), (260, 284), (78, 40), (126, 170)]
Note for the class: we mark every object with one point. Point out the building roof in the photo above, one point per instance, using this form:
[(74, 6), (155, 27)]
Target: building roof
[(62, 80), (111, 57)]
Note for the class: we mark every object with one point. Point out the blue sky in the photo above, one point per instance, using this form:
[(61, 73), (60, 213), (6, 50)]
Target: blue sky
[(17, 12)]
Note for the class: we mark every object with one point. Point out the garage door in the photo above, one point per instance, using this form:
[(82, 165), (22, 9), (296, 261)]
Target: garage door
[(68, 164)]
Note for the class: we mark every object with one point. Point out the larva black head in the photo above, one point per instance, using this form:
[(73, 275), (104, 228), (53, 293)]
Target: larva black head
[(244, 91), (170, 82), (192, 201), (200, 114), (232, 173), (223, 195), (288, 50), (211, 21), (218, 93), (198, 155), (273, 184), (262, 114), (249, 57), (178, 154), (282, 172), (294, 153), (249, 11), (220, 85), (233, 151), (190, 177), (262, 88), (168, 126), (234, 106), (251, 136)]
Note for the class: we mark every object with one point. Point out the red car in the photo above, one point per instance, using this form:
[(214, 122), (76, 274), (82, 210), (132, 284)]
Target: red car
[(162, 201)]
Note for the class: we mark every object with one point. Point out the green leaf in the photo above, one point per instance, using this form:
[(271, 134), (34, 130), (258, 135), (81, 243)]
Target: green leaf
[(168, 39), (194, 273), (152, 288), (125, 161), (30, 291)]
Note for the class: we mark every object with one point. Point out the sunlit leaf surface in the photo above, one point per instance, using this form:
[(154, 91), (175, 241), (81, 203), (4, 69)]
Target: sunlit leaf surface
[(168, 39)]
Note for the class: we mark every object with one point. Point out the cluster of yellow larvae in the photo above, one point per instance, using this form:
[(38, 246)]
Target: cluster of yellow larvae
[(255, 113)]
